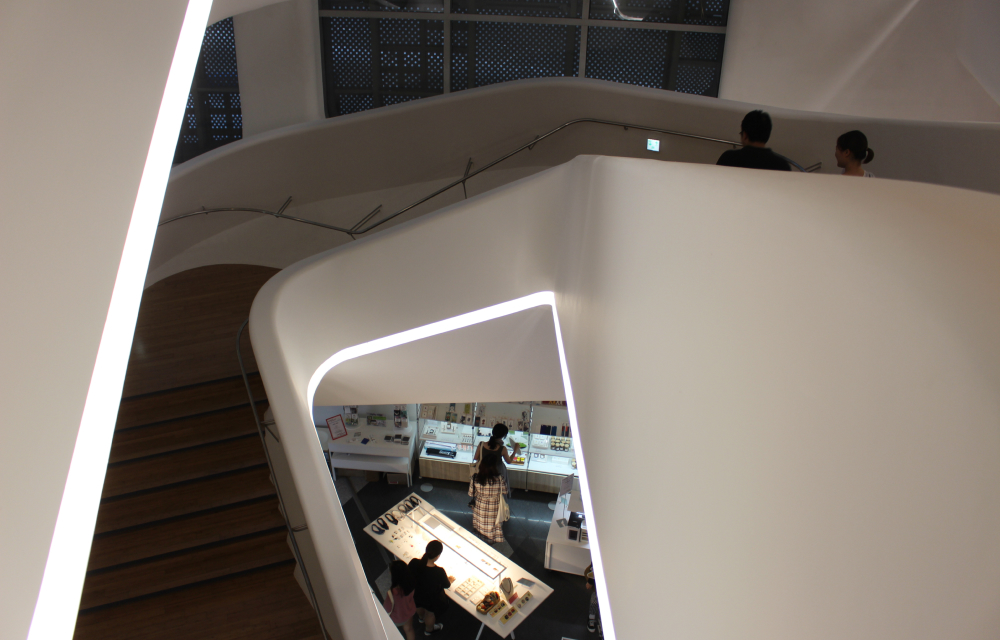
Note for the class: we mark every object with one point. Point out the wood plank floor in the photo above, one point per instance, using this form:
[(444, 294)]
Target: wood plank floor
[(189, 540)]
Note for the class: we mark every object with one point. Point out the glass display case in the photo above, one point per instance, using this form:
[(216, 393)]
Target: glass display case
[(547, 449)]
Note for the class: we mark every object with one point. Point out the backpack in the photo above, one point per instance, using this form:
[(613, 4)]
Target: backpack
[(400, 608)]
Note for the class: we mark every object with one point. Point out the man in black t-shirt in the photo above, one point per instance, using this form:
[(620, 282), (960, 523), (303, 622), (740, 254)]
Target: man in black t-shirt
[(754, 133)]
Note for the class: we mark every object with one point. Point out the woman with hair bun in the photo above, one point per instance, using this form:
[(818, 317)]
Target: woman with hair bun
[(852, 151), (495, 448)]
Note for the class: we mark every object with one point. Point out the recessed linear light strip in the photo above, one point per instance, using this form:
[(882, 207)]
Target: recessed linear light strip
[(58, 601), (466, 320)]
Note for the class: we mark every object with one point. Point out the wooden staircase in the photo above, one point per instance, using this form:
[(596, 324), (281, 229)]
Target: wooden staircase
[(189, 540)]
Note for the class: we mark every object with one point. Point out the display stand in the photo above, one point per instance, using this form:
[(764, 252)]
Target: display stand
[(562, 553), (465, 439), (365, 447), (477, 568), (549, 457)]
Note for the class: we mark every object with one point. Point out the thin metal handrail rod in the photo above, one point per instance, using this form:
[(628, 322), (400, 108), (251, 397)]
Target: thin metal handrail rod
[(267, 454), (277, 214), (530, 145), (357, 230)]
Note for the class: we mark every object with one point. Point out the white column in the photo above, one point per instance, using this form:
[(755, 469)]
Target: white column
[(278, 55)]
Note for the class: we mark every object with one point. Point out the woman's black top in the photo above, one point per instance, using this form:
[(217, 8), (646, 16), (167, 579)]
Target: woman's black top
[(431, 583)]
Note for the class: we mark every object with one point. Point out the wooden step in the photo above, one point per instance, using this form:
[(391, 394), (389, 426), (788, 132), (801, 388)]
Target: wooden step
[(183, 433), (177, 500), (265, 603), (177, 570), (187, 532), (187, 401), (186, 329), (187, 464)]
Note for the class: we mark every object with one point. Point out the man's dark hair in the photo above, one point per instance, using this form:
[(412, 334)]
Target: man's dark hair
[(757, 126)]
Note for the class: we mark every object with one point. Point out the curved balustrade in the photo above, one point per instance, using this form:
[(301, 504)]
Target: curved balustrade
[(359, 229)]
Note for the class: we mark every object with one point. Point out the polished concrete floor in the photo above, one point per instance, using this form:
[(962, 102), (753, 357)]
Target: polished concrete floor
[(562, 615)]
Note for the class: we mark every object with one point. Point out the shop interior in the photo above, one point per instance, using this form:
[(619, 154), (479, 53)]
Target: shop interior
[(382, 456)]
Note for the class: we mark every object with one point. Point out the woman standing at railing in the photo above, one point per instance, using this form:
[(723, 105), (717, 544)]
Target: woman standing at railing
[(852, 151)]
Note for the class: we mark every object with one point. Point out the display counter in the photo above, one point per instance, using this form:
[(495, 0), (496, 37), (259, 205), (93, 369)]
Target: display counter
[(547, 458), (462, 440), (567, 547), (478, 569)]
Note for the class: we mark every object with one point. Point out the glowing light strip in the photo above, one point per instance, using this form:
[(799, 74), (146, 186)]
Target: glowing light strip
[(58, 601), (466, 320)]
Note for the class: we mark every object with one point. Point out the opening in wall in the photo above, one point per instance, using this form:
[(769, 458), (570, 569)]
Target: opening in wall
[(404, 475)]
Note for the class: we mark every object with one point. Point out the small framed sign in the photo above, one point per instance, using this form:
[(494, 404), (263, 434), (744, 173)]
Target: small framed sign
[(336, 426)]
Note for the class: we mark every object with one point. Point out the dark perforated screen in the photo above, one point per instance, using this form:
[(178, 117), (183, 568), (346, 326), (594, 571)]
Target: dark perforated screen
[(485, 53), (401, 55), (529, 8), (373, 62), (213, 116), (681, 61)]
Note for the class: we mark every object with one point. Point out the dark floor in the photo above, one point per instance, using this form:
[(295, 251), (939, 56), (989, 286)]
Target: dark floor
[(562, 615)]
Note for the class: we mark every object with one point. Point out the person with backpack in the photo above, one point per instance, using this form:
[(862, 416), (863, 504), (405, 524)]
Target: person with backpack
[(399, 600), (431, 581)]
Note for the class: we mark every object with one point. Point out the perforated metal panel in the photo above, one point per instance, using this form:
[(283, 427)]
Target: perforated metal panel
[(387, 60), (702, 46), (348, 53), (434, 6), (213, 115), (701, 80), (493, 52), (218, 55), (632, 56), (529, 8), (714, 13), (400, 58)]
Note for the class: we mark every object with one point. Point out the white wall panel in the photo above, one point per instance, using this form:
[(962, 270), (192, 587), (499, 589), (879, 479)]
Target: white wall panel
[(82, 84), (892, 59), (822, 359), (277, 52)]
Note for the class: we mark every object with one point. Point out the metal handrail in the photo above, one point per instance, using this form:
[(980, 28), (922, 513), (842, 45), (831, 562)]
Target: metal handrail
[(284, 513), (357, 229)]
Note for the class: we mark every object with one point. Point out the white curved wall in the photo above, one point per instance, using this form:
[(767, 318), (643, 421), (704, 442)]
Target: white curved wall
[(379, 156), (914, 59), (82, 84), (822, 359)]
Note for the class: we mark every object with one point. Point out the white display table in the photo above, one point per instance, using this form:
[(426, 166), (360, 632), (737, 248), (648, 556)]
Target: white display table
[(561, 553), (465, 556), (377, 454)]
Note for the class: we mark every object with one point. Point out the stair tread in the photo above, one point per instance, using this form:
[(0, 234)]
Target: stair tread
[(144, 578), (266, 604), (179, 500), (188, 401), (182, 433), (178, 466), (185, 332), (184, 533)]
